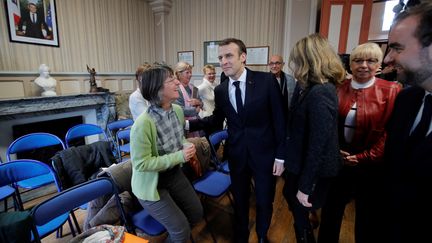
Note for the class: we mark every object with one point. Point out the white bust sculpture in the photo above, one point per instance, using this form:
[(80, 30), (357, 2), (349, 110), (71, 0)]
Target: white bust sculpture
[(46, 82)]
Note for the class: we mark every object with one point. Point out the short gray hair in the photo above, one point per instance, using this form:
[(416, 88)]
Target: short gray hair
[(152, 81)]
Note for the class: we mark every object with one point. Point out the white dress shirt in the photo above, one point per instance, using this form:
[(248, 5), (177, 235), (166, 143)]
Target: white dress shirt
[(137, 104), (419, 115), (232, 88)]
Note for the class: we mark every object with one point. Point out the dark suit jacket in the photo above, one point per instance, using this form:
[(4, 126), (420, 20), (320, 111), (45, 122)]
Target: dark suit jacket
[(409, 167), (33, 29), (257, 138), (410, 164), (312, 139)]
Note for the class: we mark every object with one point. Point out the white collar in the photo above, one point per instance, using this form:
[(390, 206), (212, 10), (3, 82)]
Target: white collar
[(357, 85), (242, 77)]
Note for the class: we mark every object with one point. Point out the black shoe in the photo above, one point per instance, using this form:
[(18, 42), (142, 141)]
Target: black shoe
[(263, 240)]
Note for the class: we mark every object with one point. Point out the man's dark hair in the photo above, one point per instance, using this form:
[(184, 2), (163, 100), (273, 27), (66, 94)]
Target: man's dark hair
[(239, 43), (152, 81), (424, 29)]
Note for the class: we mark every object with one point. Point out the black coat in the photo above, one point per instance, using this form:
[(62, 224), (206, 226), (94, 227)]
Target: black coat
[(408, 166), (312, 138)]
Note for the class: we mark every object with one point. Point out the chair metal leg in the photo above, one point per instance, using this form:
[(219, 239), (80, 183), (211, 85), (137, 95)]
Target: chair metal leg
[(20, 203), (72, 227), (15, 202), (5, 204), (75, 222)]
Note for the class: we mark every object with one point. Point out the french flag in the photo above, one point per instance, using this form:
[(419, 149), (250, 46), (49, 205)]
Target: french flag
[(14, 9)]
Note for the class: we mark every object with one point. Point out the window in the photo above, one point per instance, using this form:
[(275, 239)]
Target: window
[(388, 14)]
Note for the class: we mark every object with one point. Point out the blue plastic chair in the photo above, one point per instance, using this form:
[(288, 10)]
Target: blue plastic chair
[(140, 219), (213, 184), (115, 126), (68, 200), (6, 192), (81, 131), (113, 129), (32, 142), (19, 170), (215, 139), (123, 138)]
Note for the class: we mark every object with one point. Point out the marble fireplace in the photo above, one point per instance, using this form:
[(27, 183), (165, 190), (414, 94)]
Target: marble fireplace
[(95, 108)]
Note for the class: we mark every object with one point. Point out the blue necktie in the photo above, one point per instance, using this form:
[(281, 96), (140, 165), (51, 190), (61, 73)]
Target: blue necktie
[(421, 129), (33, 18), (239, 102)]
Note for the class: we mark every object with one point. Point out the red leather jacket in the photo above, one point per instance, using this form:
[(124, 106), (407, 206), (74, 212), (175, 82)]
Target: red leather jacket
[(374, 106)]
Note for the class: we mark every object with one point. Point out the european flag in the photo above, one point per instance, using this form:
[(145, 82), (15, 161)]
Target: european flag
[(49, 18)]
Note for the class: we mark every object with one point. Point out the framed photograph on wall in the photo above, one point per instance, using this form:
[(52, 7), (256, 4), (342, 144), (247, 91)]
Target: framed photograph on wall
[(186, 56), (257, 55), (211, 53), (32, 22)]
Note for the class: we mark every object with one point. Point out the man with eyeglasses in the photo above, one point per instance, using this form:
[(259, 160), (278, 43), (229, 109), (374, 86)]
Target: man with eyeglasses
[(286, 82)]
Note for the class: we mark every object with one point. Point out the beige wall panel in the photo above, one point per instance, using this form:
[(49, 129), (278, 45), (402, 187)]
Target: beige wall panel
[(70, 86), (35, 90), (128, 85), (12, 89), (110, 35), (112, 85), (191, 22)]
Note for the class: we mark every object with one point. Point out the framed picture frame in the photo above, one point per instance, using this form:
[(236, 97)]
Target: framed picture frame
[(186, 56), (257, 55), (211, 53), (32, 22)]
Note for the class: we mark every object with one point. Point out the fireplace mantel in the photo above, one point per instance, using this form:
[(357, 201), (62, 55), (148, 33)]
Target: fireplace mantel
[(103, 102), (95, 108)]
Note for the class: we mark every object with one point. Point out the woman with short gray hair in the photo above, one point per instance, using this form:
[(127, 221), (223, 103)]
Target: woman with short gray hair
[(157, 152)]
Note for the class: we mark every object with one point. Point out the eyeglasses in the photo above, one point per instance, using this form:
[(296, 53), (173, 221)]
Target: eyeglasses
[(371, 61), (275, 63)]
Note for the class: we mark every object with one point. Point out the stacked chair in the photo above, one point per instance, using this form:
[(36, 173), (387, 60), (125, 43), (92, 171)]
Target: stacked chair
[(123, 139), (15, 171), (119, 133), (34, 142), (215, 140), (68, 200), (121, 175), (213, 183), (81, 131), (7, 192)]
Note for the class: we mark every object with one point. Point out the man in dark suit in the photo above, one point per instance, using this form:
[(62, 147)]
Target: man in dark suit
[(286, 82), (408, 150), (34, 23), (252, 104)]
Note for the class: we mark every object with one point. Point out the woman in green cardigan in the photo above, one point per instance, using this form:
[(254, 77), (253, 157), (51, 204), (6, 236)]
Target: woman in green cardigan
[(157, 152)]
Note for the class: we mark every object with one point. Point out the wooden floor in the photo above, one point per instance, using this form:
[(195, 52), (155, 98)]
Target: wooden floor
[(220, 218)]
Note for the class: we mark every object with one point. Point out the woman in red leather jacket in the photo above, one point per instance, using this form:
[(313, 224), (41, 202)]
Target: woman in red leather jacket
[(365, 105)]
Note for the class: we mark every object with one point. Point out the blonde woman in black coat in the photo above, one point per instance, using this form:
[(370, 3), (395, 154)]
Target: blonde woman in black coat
[(312, 157)]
